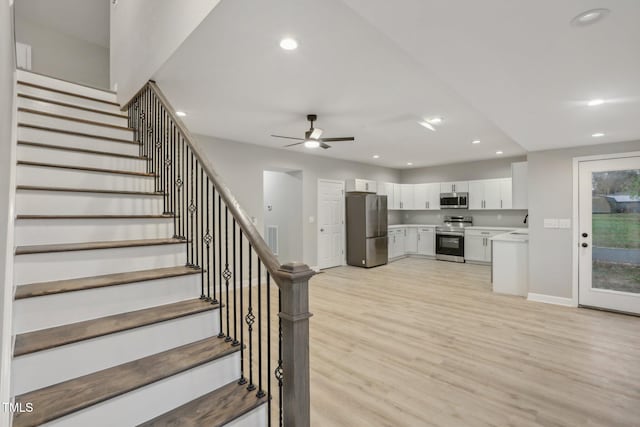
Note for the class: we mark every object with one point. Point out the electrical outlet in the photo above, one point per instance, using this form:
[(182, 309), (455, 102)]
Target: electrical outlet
[(312, 219), (564, 223)]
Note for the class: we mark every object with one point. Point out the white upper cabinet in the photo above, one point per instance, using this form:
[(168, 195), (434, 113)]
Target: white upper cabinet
[(406, 196), (361, 185), (520, 193), (454, 187), (426, 196), (490, 194)]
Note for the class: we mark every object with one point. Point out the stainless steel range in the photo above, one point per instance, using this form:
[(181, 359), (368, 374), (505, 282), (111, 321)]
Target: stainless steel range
[(450, 238)]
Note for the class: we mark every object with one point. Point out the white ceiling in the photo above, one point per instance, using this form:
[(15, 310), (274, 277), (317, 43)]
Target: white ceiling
[(87, 20), (512, 74)]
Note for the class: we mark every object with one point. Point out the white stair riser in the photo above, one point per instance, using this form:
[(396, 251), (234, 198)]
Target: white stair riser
[(69, 265), (31, 314), (49, 231), (71, 112), (69, 178), (60, 203), (58, 84), (155, 399), (66, 140), (34, 371), (73, 158), (70, 125), (256, 418), (69, 99)]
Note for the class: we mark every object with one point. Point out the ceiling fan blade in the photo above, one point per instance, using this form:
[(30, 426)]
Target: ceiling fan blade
[(316, 133), (344, 138), (295, 143), (287, 137), (325, 146)]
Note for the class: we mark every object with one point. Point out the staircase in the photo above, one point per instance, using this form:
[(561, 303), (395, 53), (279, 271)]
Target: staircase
[(111, 324)]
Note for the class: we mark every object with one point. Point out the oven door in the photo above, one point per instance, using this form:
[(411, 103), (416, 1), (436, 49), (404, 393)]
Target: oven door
[(450, 244)]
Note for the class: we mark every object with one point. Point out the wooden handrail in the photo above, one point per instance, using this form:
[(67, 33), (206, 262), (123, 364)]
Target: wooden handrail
[(243, 220)]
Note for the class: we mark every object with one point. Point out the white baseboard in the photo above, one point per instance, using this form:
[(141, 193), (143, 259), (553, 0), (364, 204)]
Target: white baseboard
[(550, 299)]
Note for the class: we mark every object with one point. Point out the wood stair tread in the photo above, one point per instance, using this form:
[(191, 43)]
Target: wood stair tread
[(212, 410), (37, 86), (85, 168), (80, 150), (43, 339), (72, 119), (81, 134), (61, 399), (87, 190), (66, 104), (85, 246), (70, 285)]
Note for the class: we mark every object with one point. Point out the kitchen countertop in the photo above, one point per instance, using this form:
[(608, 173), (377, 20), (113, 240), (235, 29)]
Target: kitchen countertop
[(518, 235), (474, 227), (411, 225)]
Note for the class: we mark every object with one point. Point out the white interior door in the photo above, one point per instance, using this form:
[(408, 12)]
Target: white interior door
[(331, 237), (609, 234)]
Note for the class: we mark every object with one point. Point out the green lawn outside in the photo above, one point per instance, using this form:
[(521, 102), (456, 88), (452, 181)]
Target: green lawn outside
[(617, 277), (616, 230)]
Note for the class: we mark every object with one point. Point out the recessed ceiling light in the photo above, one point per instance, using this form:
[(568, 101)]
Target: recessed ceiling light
[(409, 164), (427, 125), (595, 102), (311, 143), (597, 135), (375, 156), (180, 113), (289, 44), (475, 141), (434, 120), (499, 153), (589, 17)]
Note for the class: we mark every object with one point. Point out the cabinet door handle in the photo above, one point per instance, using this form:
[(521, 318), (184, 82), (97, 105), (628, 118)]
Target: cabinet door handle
[(426, 205), (366, 186), (500, 204)]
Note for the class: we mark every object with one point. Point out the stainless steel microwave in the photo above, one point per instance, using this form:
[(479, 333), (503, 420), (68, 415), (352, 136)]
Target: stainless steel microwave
[(454, 200)]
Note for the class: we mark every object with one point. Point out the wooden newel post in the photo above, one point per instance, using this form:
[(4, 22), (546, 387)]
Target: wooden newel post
[(294, 297)]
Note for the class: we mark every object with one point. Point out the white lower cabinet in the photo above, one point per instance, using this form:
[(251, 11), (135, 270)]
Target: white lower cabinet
[(477, 244), (410, 240), (426, 241)]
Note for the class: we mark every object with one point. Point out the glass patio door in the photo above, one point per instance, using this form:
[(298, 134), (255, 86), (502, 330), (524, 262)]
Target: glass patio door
[(609, 234)]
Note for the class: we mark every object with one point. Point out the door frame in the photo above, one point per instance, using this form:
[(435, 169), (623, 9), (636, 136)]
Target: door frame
[(575, 260), (342, 208)]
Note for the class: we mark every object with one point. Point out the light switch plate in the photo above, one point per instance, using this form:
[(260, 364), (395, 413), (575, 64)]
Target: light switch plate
[(564, 223), (551, 223)]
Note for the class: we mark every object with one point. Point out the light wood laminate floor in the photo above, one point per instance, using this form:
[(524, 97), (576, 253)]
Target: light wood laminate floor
[(426, 343)]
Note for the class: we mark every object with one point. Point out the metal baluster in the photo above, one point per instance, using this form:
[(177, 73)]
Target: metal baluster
[(250, 320), (260, 393), (235, 291), (174, 170), (227, 273), (179, 184), (269, 348), (207, 240), (221, 334), (242, 380), (188, 205), (194, 210), (213, 224), (278, 371)]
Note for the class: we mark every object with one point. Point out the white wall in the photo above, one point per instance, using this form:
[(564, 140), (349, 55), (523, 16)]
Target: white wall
[(241, 165), (551, 196), (7, 141), (483, 169), (145, 33), (283, 194), (63, 56)]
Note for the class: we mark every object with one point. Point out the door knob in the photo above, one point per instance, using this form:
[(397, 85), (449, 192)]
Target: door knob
[(584, 245), (322, 229), (585, 235)]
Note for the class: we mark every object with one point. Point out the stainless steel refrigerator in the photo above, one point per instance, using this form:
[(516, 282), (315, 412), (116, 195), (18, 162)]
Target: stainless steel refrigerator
[(366, 229)]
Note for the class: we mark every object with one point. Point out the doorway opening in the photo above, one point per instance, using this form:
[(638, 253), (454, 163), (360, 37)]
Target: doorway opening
[(282, 197)]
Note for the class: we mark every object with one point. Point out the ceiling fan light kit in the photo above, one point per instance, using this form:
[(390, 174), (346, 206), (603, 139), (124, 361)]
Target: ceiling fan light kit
[(312, 136)]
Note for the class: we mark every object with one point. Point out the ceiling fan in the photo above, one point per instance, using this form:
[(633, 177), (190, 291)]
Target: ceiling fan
[(312, 136)]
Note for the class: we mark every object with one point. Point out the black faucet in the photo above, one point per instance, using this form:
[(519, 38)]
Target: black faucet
[(525, 219)]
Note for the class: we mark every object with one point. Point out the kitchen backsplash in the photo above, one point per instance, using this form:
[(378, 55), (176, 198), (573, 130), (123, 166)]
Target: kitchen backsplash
[(503, 218)]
